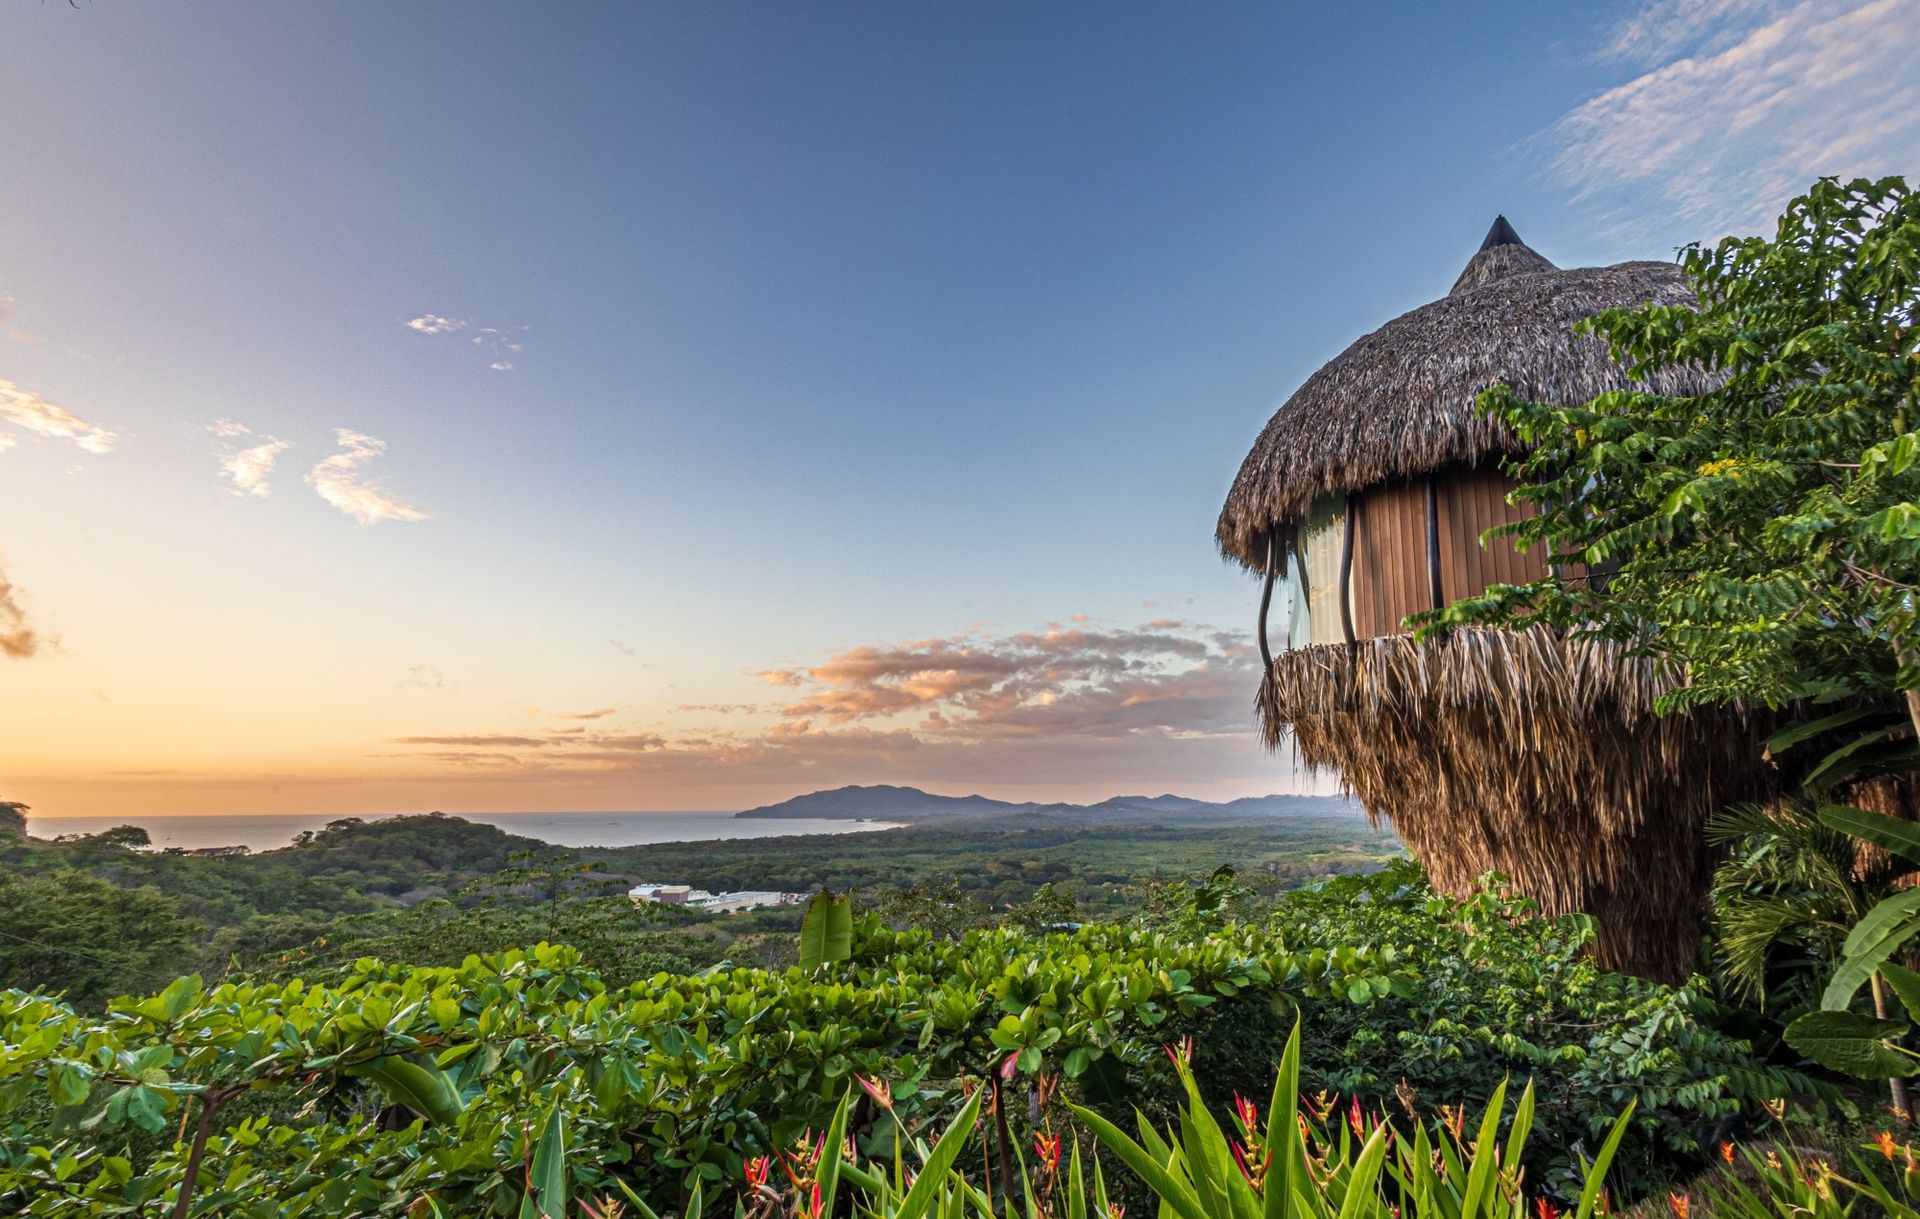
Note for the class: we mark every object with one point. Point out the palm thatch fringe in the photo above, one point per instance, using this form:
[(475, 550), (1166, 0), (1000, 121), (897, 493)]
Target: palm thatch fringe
[(1534, 756)]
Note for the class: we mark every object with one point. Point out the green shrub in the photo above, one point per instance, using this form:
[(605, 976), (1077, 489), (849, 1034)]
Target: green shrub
[(1500, 992)]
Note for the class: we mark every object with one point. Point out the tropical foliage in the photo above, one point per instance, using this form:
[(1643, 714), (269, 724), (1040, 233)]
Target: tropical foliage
[(402, 1082), (1764, 535)]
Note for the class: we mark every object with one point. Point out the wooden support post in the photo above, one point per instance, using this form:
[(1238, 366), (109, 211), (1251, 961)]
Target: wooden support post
[(1266, 601), (1346, 574)]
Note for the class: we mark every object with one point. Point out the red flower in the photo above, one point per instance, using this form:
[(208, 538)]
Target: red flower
[(756, 1171), (1047, 1148), (1677, 1203), (1885, 1143), (1248, 1112), (1726, 1152), (879, 1089), (1011, 1065), (1354, 1119), (1543, 1209), (1181, 1052)]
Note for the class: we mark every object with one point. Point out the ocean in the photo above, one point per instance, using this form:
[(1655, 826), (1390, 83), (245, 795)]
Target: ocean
[(266, 832)]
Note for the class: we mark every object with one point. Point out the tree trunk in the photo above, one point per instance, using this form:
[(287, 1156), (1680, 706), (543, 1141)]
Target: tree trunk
[(1896, 1087), (210, 1105), (1005, 1137)]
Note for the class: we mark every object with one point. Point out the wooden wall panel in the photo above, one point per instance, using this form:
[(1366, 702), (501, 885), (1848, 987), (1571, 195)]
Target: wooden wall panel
[(1391, 577), (1389, 558), (1473, 500)]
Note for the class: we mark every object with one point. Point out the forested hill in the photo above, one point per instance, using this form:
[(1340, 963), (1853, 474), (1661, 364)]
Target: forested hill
[(884, 803), (887, 803)]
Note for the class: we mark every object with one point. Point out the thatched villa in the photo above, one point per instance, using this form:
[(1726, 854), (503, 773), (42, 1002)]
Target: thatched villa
[(1364, 501)]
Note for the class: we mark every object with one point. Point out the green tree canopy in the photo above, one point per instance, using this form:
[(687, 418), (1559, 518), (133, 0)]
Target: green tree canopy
[(86, 937), (1766, 534)]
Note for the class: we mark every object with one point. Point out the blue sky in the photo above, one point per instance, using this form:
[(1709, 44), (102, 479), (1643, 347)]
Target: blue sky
[(843, 349)]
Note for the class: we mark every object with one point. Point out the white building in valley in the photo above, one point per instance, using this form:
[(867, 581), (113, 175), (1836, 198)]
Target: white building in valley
[(717, 903)]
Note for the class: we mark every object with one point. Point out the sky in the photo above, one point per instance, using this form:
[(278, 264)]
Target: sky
[(509, 407)]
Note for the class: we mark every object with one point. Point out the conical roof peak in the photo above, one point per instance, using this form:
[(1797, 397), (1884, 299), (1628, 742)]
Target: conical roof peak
[(1500, 234), (1500, 255)]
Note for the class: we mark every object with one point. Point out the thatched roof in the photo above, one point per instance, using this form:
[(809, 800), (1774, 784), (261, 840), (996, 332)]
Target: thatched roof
[(1401, 400)]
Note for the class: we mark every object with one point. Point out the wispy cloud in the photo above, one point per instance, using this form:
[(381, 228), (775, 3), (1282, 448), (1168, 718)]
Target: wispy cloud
[(424, 676), (596, 714), (498, 343), (25, 409), (1738, 105), (19, 638), (338, 481), (472, 740), (249, 468), (433, 323)]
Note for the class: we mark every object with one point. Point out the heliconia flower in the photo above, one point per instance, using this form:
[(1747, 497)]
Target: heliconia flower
[(1677, 1203), (1012, 1064), (799, 1163), (1181, 1052), (879, 1089), (1047, 1148), (1354, 1119), (815, 1209), (1116, 1210), (1885, 1142), (1248, 1111), (756, 1171), (1726, 1152), (1240, 1158), (1544, 1209)]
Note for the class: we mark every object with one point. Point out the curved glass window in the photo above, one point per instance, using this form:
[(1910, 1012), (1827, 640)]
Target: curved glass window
[(1319, 540), (1291, 614)]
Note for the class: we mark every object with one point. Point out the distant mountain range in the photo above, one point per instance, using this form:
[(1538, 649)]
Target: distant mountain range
[(887, 803)]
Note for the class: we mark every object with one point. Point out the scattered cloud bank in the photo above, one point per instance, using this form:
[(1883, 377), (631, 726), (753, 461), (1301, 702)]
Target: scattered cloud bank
[(498, 343), (27, 410), (249, 468), (1169, 697), (19, 638), (338, 480), (1738, 105)]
